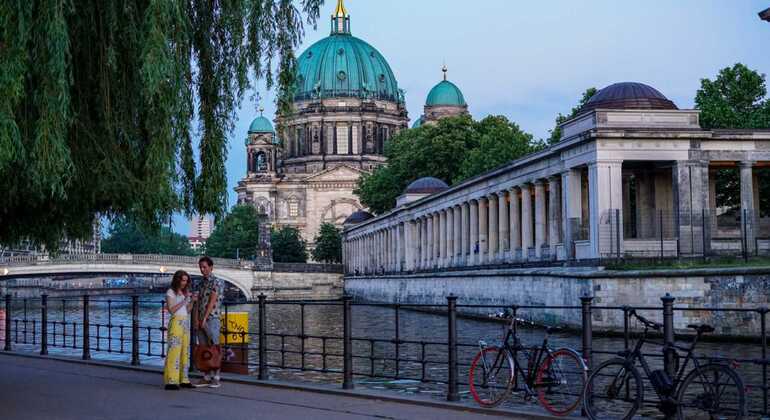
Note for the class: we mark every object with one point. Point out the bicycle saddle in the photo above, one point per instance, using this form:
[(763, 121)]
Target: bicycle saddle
[(701, 328)]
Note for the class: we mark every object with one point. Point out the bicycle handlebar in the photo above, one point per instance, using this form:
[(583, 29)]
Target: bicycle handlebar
[(647, 323)]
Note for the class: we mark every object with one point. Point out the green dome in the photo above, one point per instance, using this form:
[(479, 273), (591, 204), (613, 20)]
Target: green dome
[(342, 65), (261, 125), (418, 122), (445, 93)]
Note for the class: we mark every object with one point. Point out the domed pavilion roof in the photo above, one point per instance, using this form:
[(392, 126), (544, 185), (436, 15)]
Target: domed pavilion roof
[(358, 216), (426, 185), (445, 93), (261, 125), (342, 65), (628, 95)]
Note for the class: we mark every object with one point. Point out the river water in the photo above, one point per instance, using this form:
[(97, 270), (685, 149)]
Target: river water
[(421, 366)]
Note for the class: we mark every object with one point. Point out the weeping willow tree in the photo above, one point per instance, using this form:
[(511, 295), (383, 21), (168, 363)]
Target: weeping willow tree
[(100, 101)]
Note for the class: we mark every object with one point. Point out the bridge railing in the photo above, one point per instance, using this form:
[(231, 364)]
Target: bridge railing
[(19, 260), (391, 345)]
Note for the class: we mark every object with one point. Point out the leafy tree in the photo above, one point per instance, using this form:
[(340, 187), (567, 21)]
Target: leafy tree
[(561, 118), (737, 98), (237, 235), (454, 149), (99, 100), (288, 245), (328, 244), (127, 237)]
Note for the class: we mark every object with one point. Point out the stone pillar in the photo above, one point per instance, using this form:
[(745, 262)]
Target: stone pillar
[(450, 216), (503, 234), (690, 193), (436, 239), (572, 208), (465, 235), (457, 242), (483, 230), (515, 222), (748, 205), (409, 245), (554, 214), (441, 239), (473, 250), (526, 221), (431, 241), (605, 191), (423, 242), (492, 244), (540, 218)]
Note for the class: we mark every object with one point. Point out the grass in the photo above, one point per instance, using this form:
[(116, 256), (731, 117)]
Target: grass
[(683, 264)]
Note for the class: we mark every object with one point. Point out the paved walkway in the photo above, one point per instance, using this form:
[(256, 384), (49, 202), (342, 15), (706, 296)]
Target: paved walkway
[(33, 388)]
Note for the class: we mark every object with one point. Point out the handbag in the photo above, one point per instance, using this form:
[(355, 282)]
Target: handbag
[(208, 356)]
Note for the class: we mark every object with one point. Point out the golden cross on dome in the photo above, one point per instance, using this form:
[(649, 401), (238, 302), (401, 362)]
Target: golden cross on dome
[(341, 11)]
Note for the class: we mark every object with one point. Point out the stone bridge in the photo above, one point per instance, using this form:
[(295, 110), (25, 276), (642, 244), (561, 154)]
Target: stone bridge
[(278, 281)]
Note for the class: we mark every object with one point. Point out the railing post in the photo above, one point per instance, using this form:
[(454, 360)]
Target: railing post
[(8, 317), (347, 342), (588, 332), (44, 325), (763, 321), (452, 394), (86, 328), (135, 330), (263, 372), (668, 334)]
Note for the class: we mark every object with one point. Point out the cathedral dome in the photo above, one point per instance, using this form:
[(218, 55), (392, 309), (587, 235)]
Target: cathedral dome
[(628, 95), (359, 216), (418, 122), (445, 93), (261, 125), (342, 65), (426, 185)]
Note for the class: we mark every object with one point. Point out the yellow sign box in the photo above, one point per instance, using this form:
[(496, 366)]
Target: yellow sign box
[(237, 326)]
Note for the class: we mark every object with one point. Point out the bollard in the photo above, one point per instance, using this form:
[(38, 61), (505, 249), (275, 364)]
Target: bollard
[(347, 342), (668, 334), (135, 330), (86, 332), (588, 333), (452, 394), (8, 317), (263, 372), (43, 325)]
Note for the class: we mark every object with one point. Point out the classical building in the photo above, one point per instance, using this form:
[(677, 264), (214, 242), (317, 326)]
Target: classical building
[(444, 100), (633, 175), (347, 104)]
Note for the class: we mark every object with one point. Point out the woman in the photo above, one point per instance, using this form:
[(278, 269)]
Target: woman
[(178, 303)]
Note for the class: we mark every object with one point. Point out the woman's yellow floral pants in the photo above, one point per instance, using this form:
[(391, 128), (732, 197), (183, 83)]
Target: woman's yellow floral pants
[(178, 354)]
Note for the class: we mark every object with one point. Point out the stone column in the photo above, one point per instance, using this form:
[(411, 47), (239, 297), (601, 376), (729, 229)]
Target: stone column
[(503, 234), (449, 258), (436, 239), (441, 238), (423, 242), (474, 233), (572, 208), (515, 222), (540, 218), (409, 245), (747, 203), (690, 193), (526, 221), (465, 236), (554, 214), (605, 192), (458, 229), (492, 244), (483, 230), (431, 242)]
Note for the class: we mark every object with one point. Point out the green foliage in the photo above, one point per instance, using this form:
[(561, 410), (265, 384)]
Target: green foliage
[(127, 237), (237, 235), (328, 244), (560, 119), (735, 99), (452, 150), (99, 99), (288, 246)]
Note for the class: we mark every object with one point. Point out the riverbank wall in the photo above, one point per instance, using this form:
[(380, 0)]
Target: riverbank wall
[(697, 293)]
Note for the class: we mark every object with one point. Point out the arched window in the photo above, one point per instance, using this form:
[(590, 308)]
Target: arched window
[(261, 162)]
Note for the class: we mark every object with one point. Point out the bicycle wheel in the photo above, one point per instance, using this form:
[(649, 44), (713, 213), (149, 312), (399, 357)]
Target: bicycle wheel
[(560, 381), (491, 376), (613, 391), (712, 392)]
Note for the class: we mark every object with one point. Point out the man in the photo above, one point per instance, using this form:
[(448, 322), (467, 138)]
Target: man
[(206, 314)]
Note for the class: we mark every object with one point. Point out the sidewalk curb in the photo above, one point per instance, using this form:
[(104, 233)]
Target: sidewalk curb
[(361, 394)]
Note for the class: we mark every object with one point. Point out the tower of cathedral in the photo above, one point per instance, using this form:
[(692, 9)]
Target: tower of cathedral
[(347, 104)]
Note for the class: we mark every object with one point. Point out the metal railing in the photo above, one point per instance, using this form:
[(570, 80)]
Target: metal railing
[(342, 351), (17, 260)]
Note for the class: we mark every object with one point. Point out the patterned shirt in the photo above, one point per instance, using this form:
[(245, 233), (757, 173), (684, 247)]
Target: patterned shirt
[(205, 288)]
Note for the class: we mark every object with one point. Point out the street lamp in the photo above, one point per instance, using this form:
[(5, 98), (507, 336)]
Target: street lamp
[(163, 269), (4, 271)]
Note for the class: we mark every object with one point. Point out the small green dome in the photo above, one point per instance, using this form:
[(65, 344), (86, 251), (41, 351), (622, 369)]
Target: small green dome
[(418, 122), (261, 125), (445, 93)]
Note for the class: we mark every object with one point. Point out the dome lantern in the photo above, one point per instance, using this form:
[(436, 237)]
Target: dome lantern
[(340, 19)]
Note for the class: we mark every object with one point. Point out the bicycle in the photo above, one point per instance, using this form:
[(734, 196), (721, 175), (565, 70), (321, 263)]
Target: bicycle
[(711, 391), (556, 377)]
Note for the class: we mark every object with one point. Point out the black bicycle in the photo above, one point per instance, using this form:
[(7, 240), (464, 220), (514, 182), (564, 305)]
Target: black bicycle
[(556, 377), (713, 390)]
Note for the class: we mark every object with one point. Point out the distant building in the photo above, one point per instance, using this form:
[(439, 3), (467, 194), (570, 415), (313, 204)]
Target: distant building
[(765, 14), (200, 230), (66, 246)]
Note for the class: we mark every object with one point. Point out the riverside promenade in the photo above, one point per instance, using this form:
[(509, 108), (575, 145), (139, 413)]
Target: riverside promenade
[(45, 388)]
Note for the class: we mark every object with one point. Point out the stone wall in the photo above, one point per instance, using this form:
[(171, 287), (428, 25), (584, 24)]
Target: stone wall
[(283, 285), (696, 289)]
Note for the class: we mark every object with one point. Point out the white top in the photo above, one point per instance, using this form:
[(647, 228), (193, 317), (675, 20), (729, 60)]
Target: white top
[(173, 299)]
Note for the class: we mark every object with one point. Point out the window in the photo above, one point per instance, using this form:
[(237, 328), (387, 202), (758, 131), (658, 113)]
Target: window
[(342, 139), (355, 144), (293, 207)]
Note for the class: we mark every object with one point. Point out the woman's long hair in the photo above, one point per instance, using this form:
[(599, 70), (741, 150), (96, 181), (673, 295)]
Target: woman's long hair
[(176, 281)]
